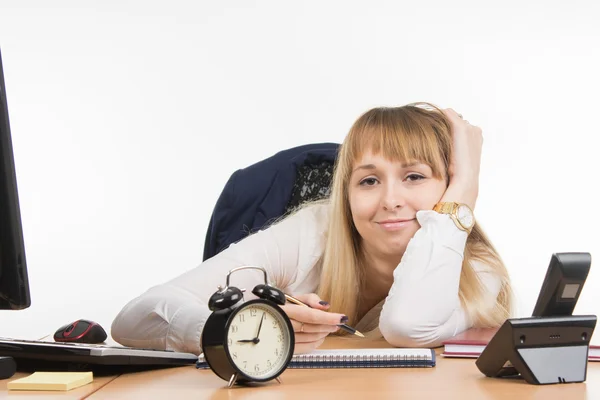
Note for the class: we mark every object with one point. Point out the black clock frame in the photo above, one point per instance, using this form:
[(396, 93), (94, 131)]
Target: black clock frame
[(216, 348)]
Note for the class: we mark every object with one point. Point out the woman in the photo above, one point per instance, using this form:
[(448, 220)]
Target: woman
[(388, 252)]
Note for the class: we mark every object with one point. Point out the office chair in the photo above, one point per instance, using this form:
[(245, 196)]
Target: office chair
[(255, 196)]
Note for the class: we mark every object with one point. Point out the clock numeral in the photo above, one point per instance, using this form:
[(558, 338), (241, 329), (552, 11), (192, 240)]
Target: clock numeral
[(234, 328), (280, 338), (277, 352), (234, 355), (253, 313), (229, 342), (274, 324), (242, 316), (256, 367), (269, 365), (245, 364)]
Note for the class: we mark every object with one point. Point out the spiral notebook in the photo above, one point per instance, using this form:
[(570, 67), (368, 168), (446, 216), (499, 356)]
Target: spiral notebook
[(357, 358)]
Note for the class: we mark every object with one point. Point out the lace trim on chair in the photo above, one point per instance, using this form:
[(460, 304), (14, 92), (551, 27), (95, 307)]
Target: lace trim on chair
[(313, 182)]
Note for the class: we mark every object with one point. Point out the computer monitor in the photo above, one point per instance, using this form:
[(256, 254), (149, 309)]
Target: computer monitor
[(14, 282), (14, 294)]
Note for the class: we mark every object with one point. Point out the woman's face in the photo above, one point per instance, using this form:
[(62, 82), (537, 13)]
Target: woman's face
[(384, 199)]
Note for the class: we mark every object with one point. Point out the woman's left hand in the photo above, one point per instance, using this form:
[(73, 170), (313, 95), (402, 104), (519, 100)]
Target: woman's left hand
[(467, 141)]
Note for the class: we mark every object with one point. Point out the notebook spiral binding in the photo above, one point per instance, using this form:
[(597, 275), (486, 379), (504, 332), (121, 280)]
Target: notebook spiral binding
[(358, 361), (365, 358)]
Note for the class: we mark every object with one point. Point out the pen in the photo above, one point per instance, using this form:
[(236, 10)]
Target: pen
[(345, 327)]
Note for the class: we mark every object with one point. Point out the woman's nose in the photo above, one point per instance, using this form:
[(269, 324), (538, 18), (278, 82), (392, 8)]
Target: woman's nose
[(391, 205), (392, 199)]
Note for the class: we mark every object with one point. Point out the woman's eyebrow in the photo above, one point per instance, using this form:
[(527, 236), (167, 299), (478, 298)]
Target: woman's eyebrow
[(411, 164), (372, 166), (365, 166)]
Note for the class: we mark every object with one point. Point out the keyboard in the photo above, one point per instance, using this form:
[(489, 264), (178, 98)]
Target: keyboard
[(75, 356)]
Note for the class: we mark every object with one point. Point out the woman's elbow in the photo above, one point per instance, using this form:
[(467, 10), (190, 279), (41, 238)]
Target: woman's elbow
[(409, 333), (140, 324), (120, 328)]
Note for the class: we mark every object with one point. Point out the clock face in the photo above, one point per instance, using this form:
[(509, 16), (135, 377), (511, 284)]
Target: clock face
[(465, 216), (259, 340)]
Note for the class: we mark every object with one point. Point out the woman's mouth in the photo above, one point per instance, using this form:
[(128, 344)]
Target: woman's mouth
[(395, 224)]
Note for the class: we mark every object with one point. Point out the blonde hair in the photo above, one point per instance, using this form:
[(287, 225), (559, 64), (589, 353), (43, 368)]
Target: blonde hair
[(419, 132)]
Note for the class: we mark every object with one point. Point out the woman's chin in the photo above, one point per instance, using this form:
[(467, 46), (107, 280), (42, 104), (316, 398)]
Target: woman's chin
[(394, 249)]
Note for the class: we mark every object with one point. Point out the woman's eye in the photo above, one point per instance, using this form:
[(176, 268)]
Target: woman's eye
[(368, 182), (414, 177)]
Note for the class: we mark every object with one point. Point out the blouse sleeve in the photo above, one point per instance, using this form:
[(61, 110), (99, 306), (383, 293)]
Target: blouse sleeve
[(171, 315), (422, 308)]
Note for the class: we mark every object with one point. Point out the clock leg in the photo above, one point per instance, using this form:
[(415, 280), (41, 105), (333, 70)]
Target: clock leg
[(232, 380), (278, 379)]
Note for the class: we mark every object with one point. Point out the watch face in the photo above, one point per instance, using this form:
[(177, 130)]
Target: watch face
[(465, 216), (259, 340)]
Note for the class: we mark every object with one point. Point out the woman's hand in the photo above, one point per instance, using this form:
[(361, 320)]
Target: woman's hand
[(311, 324), (463, 172)]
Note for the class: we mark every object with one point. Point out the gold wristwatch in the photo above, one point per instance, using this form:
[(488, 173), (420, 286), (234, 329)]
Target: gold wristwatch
[(461, 214)]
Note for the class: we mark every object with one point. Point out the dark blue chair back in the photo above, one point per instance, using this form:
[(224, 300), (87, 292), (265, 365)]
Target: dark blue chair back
[(263, 192)]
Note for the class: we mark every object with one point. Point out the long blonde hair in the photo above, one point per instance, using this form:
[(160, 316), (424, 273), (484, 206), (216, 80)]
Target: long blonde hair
[(420, 132)]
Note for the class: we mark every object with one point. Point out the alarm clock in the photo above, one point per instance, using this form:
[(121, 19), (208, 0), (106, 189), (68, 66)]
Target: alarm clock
[(246, 342)]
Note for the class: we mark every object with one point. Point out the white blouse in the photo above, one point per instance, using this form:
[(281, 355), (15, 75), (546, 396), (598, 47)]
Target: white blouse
[(421, 310)]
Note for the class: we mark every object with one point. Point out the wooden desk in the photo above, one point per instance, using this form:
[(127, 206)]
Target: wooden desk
[(450, 379)]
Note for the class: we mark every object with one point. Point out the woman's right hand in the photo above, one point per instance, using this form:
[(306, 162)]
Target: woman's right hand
[(312, 324), (467, 142)]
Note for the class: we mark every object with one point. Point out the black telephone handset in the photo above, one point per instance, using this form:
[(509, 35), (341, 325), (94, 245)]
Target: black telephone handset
[(565, 277)]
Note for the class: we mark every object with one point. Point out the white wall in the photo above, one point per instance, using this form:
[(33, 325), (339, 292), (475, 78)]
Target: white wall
[(129, 117)]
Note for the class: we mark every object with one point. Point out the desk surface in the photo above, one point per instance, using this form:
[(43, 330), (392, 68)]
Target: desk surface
[(450, 379)]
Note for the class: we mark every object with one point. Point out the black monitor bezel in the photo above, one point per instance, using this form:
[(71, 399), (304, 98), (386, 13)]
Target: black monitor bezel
[(14, 279)]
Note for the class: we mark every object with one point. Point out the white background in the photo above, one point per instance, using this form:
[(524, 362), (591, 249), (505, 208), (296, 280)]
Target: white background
[(128, 117)]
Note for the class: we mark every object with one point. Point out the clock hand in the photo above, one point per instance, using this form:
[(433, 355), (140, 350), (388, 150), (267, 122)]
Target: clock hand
[(255, 340), (260, 325)]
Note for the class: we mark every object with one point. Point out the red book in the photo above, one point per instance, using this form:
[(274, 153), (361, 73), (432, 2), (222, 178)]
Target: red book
[(470, 344)]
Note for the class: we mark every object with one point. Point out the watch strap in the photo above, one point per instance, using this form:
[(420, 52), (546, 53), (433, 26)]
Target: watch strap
[(445, 207)]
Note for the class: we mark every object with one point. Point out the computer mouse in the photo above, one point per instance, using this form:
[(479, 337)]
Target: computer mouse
[(81, 331)]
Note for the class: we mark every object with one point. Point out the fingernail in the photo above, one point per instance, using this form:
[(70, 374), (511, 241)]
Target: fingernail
[(323, 303), (344, 319)]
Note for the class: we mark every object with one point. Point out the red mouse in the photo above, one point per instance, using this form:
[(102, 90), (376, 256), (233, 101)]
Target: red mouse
[(81, 331)]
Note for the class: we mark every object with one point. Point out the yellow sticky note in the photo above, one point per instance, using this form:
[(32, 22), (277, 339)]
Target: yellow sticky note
[(51, 381)]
